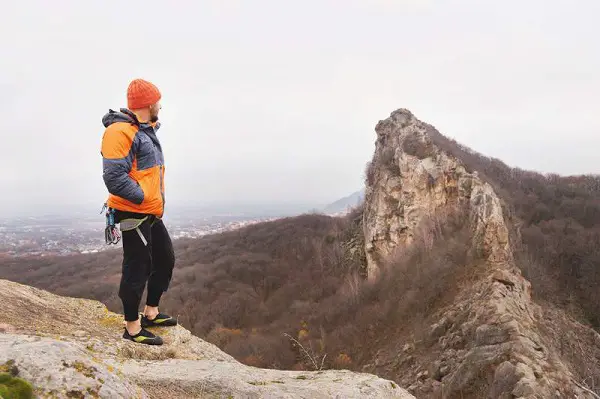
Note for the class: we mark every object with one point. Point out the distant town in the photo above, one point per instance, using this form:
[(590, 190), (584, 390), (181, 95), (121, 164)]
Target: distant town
[(82, 234), (82, 231), (56, 236)]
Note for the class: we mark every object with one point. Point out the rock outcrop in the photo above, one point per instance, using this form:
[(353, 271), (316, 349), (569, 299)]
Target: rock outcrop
[(487, 343), (72, 348), (410, 178)]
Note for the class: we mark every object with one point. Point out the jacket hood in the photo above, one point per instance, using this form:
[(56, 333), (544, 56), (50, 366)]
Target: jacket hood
[(123, 115)]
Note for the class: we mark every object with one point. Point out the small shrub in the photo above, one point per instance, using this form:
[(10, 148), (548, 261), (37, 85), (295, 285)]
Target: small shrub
[(415, 146), (221, 336), (342, 361), (370, 172), (14, 387)]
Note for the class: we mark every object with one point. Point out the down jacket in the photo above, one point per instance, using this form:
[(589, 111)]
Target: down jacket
[(133, 164)]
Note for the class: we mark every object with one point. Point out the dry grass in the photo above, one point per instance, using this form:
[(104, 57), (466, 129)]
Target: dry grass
[(160, 390)]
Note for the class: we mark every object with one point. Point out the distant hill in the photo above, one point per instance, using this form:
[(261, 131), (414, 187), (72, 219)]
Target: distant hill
[(344, 204)]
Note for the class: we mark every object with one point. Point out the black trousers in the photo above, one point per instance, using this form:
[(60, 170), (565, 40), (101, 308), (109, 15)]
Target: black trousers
[(151, 262)]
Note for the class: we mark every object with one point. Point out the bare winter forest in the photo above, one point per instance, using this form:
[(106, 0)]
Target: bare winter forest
[(290, 293)]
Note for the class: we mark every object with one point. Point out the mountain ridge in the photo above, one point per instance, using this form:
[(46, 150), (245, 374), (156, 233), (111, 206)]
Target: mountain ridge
[(488, 339), (345, 204)]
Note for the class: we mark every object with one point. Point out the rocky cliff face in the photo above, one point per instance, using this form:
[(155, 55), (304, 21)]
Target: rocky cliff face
[(410, 178), (71, 348), (487, 343)]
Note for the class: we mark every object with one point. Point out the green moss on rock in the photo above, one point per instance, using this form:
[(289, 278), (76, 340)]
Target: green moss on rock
[(14, 387)]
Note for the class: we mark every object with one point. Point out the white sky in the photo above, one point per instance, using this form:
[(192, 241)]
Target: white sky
[(276, 101)]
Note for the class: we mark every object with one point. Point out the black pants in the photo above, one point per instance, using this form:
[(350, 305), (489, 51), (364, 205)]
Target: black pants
[(151, 262)]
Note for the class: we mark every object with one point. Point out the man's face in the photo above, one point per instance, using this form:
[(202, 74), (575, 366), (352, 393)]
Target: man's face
[(154, 110)]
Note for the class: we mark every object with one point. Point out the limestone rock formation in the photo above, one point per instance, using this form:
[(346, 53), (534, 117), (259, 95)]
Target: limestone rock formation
[(71, 348), (489, 338), (410, 178)]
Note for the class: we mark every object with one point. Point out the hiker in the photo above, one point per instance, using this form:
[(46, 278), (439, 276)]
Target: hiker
[(133, 172)]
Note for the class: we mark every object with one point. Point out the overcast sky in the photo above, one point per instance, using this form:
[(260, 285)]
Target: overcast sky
[(277, 100)]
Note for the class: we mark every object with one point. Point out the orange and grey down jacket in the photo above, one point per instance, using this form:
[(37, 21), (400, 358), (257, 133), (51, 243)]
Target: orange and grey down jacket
[(133, 164)]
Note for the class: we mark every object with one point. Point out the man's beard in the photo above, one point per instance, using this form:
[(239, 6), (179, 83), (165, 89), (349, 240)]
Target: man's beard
[(154, 118)]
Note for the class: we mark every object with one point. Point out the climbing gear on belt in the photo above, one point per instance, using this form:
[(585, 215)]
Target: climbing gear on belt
[(111, 232), (134, 224)]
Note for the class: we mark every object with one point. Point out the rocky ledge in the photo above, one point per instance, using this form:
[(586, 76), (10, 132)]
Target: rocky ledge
[(72, 348)]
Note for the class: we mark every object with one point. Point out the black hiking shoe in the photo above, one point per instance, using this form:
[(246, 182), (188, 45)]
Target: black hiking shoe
[(161, 320), (143, 337)]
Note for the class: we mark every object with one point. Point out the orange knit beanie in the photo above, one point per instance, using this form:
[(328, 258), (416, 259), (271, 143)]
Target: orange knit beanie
[(141, 94)]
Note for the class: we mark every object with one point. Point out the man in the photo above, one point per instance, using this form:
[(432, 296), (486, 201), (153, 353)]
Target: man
[(133, 172)]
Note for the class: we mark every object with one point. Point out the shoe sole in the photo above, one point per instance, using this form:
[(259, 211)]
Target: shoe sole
[(145, 342), (146, 324)]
